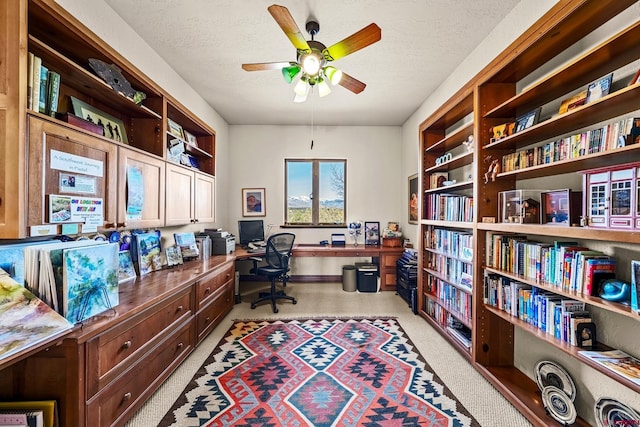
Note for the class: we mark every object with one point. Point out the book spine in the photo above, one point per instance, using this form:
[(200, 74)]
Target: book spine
[(35, 97), (30, 65), (54, 93), (42, 105)]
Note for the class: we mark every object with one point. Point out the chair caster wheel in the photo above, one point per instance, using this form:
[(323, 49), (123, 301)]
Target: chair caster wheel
[(294, 302), (253, 306), (275, 311)]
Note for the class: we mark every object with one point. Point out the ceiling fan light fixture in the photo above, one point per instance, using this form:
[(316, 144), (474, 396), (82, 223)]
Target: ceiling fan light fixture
[(302, 88), (333, 74), (301, 98), (311, 63), (289, 73), (323, 88)]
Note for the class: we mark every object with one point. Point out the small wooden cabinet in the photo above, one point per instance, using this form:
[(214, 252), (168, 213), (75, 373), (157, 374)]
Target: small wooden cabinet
[(151, 170), (190, 196), (387, 266)]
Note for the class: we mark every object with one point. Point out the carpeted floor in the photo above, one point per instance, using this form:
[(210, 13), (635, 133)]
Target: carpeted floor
[(319, 372), (482, 401)]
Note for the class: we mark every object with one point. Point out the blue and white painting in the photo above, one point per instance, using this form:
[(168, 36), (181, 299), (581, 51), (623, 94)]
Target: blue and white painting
[(90, 281)]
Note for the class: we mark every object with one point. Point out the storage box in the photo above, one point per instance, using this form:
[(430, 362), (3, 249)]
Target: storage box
[(561, 207), (81, 123), (519, 206), (392, 242)]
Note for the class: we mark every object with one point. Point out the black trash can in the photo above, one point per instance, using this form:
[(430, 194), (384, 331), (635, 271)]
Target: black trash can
[(349, 278)]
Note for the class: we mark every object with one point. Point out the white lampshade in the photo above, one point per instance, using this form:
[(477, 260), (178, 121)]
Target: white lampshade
[(323, 88)]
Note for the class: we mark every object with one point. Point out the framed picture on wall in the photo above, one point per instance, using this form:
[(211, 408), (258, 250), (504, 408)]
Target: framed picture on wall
[(253, 202), (372, 233), (413, 199)]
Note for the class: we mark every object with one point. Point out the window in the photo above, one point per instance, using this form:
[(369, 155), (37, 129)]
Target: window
[(315, 192)]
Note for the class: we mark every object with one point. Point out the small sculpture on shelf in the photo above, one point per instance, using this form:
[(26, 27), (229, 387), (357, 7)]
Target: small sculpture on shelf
[(493, 170), (355, 229), (615, 290), (468, 143), (112, 75)]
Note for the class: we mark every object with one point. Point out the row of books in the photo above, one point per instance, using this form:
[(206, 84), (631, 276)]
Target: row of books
[(43, 87), (449, 207), (437, 179), (551, 313), (459, 331), (454, 299), (450, 242), (608, 137), (564, 265), (454, 270), (42, 413)]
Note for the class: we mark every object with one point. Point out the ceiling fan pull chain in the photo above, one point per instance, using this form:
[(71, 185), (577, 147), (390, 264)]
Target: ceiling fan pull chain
[(313, 107)]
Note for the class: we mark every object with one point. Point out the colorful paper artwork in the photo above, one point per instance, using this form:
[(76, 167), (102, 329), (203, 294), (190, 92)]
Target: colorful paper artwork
[(90, 281), (26, 320), (149, 253)]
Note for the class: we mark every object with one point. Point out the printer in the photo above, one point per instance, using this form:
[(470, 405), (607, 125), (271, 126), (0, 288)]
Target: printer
[(222, 242)]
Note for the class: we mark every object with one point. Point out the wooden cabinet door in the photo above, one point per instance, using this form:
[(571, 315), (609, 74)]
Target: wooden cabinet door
[(146, 191), (91, 161), (13, 102), (205, 200), (179, 195)]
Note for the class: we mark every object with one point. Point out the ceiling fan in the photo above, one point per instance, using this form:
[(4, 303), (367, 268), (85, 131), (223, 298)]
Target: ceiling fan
[(313, 56)]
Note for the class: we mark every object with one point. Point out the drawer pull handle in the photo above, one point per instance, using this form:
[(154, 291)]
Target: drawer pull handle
[(180, 345), (206, 320), (126, 397), (206, 291), (127, 344), (179, 309)]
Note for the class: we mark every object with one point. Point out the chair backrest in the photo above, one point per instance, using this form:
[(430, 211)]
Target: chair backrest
[(279, 248)]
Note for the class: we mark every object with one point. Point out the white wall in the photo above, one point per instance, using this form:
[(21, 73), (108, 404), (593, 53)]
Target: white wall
[(373, 164)]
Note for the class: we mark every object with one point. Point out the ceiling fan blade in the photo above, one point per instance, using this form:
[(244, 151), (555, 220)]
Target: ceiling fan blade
[(358, 40), (266, 66), (351, 83), (285, 21)]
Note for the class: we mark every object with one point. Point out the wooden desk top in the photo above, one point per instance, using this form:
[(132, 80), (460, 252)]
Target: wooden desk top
[(316, 250)]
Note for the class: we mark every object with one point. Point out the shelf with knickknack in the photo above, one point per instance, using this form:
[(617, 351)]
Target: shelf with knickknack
[(549, 135), (189, 142)]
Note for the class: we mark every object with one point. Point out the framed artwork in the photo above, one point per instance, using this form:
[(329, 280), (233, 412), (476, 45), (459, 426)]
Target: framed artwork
[(175, 129), (190, 138), (253, 202), (372, 233), (126, 271), (413, 199), (113, 127), (528, 120)]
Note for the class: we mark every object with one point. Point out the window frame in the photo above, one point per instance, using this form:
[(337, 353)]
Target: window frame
[(315, 201)]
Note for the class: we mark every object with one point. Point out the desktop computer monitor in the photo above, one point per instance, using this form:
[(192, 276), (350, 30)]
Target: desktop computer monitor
[(250, 231)]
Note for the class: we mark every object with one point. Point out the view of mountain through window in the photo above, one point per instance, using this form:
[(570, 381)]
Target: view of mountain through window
[(315, 191)]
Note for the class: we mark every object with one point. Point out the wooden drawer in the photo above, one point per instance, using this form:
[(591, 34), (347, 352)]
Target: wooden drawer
[(207, 286), (212, 313), (111, 353), (389, 261), (118, 401)]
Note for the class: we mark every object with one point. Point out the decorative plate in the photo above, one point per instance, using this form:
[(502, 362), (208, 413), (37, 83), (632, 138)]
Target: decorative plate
[(114, 237), (559, 405), (549, 373), (609, 412)]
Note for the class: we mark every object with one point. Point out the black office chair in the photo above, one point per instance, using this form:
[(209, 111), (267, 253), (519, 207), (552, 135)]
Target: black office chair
[(277, 256)]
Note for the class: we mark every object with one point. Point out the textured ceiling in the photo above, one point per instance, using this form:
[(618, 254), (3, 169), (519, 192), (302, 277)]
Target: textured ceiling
[(207, 41)]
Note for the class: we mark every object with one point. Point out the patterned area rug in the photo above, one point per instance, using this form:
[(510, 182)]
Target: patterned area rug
[(322, 372)]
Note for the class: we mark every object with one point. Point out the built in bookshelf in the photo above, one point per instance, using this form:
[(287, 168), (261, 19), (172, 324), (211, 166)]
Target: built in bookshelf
[(550, 121)]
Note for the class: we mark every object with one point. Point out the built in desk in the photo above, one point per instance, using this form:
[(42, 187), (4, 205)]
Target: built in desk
[(385, 257)]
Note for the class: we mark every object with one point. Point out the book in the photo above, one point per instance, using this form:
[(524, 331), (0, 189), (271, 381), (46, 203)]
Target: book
[(49, 409), (600, 88), (595, 270), (35, 97), (12, 418), (30, 64), (616, 361), (53, 93), (187, 244), (44, 77)]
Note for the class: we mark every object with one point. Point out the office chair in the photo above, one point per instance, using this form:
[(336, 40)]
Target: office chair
[(277, 256)]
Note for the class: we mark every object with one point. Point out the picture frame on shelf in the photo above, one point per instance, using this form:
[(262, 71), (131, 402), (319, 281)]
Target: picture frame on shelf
[(372, 233), (253, 202), (126, 270), (560, 207), (572, 102), (599, 88), (527, 120), (173, 254), (113, 127), (190, 138), (175, 129), (413, 199)]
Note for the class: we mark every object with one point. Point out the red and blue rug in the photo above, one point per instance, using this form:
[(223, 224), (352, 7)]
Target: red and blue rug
[(322, 372)]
